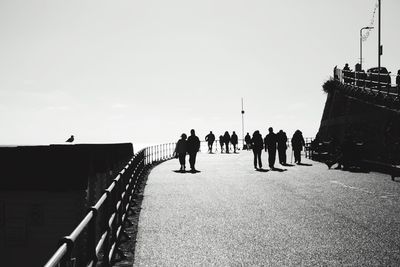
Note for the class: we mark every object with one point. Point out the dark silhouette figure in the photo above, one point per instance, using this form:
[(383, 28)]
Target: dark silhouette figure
[(346, 73), (270, 145), (234, 141), (281, 139), (180, 152), (193, 146), (227, 139), (297, 145), (70, 140), (257, 146), (221, 143), (210, 138), (247, 139), (398, 82)]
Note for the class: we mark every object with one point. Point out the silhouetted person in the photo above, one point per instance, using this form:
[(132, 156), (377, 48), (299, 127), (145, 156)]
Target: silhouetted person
[(270, 145), (70, 140), (281, 139), (346, 73), (210, 138), (227, 139), (234, 141), (247, 139), (398, 82), (221, 143), (257, 146), (180, 151), (297, 145), (193, 146)]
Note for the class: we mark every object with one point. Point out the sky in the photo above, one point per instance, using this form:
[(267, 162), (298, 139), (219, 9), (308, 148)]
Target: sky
[(147, 71)]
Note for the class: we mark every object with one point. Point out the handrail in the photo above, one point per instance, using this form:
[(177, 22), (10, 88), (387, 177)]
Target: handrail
[(105, 220)]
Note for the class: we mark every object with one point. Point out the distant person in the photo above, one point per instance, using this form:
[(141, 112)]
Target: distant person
[(193, 146), (281, 139), (297, 145), (346, 73), (398, 82), (227, 139), (221, 143), (247, 139), (270, 145), (257, 146), (180, 151), (71, 139), (234, 141), (210, 138)]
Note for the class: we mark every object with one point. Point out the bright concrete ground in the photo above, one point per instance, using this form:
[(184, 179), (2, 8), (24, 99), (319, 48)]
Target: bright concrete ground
[(231, 215)]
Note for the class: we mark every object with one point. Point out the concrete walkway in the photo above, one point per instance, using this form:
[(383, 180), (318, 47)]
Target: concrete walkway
[(231, 215)]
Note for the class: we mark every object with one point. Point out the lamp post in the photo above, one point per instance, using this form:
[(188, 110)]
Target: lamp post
[(363, 28), (242, 124)]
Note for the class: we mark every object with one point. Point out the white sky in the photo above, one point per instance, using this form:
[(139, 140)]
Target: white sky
[(146, 71)]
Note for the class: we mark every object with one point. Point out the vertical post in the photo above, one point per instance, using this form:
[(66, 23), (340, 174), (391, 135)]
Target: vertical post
[(361, 48), (242, 124), (379, 45)]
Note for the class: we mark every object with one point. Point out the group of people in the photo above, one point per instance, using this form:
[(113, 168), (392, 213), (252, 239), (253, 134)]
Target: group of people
[(224, 141), (273, 142)]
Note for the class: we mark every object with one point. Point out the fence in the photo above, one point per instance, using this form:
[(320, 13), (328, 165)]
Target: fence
[(100, 232)]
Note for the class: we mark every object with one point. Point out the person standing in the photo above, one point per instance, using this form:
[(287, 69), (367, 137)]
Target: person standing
[(270, 145), (227, 139), (247, 139), (257, 146), (398, 82), (221, 143), (210, 138), (297, 145), (234, 141), (281, 139), (193, 146), (180, 151)]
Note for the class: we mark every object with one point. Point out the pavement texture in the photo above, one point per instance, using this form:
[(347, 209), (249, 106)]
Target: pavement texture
[(231, 215)]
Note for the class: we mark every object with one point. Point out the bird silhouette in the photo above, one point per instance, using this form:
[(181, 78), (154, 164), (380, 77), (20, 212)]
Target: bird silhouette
[(70, 140)]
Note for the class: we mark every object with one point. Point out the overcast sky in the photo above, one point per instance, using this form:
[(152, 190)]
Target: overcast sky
[(146, 71)]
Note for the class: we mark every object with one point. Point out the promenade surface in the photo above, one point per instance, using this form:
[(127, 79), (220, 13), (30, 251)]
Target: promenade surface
[(231, 215)]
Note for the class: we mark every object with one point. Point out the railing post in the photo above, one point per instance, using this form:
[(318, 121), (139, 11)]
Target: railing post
[(107, 243), (92, 257)]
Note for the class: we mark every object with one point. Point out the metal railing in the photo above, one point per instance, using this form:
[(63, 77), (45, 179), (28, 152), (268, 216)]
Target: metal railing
[(371, 82), (101, 230)]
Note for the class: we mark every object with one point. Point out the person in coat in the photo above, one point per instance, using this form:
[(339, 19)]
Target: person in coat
[(281, 139), (180, 152), (297, 145), (270, 145), (210, 138), (234, 141), (221, 143), (247, 139), (257, 146), (193, 146), (227, 139)]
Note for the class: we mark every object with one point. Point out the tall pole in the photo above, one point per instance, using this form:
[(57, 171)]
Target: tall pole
[(363, 28), (379, 45), (242, 124)]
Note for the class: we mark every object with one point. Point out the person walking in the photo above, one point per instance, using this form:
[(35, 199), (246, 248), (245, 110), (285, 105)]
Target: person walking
[(281, 139), (227, 139), (257, 146), (193, 146), (270, 145), (210, 138), (247, 139), (180, 152), (297, 145), (234, 141), (221, 143)]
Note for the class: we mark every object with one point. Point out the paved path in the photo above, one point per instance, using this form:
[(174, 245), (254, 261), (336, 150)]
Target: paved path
[(231, 215)]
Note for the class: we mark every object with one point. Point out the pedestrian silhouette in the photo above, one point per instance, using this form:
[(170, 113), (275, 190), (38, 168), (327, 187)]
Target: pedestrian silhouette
[(227, 139), (70, 140), (192, 146), (221, 143), (234, 141), (247, 139), (281, 139), (180, 152), (398, 82), (297, 145), (270, 145), (257, 146), (210, 138), (346, 73)]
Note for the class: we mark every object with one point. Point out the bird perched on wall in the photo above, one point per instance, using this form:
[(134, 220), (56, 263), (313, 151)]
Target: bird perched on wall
[(70, 140)]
